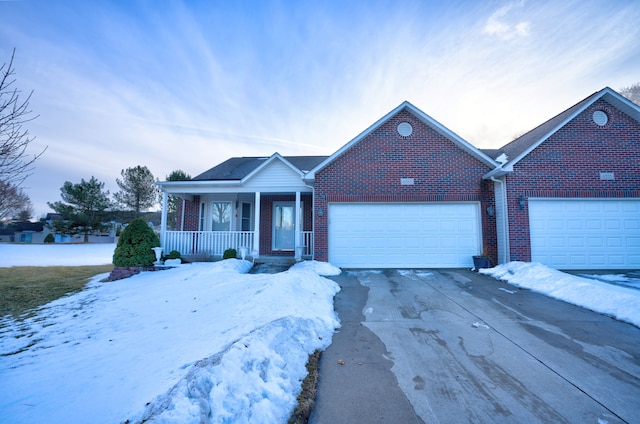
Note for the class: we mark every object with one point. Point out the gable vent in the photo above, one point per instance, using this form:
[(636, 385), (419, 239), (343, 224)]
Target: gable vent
[(600, 118), (405, 129)]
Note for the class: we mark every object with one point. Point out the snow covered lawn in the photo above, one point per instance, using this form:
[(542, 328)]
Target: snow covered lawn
[(201, 342), (622, 303)]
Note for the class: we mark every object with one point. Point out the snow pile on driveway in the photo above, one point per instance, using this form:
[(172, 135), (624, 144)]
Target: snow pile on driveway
[(622, 303), (204, 342)]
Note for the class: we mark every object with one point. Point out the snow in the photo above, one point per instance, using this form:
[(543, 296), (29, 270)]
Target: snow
[(320, 268), (622, 303), (58, 254), (203, 342)]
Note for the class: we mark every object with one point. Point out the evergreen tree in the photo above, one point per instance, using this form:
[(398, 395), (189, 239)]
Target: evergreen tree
[(172, 201), (138, 190), (83, 208)]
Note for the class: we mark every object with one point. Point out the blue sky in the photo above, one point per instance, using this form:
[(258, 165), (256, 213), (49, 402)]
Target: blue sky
[(185, 85)]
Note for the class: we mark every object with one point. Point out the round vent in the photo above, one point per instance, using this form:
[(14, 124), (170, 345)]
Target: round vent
[(600, 118), (405, 129)]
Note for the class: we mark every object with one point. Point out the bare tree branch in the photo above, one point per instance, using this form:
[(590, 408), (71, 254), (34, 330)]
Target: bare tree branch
[(15, 164)]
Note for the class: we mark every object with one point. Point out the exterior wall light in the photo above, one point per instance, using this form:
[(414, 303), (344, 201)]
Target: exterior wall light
[(521, 203), (491, 210), (320, 212)]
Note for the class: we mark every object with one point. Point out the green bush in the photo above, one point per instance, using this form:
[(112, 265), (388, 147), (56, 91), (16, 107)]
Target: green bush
[(230, 254), (134, 245), (49, 238), (174, 254)]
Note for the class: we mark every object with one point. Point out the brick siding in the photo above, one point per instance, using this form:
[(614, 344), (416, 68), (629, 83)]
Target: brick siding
[(370, 171), (568, 165)]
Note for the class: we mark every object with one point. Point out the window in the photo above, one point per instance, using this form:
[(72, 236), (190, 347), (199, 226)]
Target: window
[(221, 216), (201, 223), (246, 217)]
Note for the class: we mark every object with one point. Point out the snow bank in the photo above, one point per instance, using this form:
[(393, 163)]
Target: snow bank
[(619, 302), (56, 254), (320, 268), (203, 339)]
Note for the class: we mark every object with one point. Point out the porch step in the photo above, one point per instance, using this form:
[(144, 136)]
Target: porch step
[(275, 260)]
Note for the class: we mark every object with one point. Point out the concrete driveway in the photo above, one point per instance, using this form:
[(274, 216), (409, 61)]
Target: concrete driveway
[(452, 346)]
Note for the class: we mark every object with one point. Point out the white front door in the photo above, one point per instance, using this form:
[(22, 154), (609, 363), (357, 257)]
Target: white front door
[(284, 226)]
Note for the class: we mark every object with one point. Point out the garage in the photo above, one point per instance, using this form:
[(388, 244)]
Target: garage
[(585, 233), (404, 235)]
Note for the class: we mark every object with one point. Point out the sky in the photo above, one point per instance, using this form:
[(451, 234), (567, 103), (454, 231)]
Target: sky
[(187, 84)]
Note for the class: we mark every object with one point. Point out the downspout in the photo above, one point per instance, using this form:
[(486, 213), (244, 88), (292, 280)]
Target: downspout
[(313, 218), (505, 220)]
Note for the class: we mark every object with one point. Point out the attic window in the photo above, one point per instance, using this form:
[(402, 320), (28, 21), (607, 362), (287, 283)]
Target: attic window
[(600, 118), (405, 129)]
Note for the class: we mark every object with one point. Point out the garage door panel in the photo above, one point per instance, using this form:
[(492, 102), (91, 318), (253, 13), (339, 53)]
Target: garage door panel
[(585, 233), (404, 234)]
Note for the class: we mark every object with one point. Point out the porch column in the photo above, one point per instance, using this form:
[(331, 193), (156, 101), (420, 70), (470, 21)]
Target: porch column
[(298, 233), (256, 224), (163, 219)]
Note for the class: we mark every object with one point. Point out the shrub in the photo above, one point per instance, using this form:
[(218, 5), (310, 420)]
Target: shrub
[(174, 254), (229, 254), (49, 238), (134, 245)]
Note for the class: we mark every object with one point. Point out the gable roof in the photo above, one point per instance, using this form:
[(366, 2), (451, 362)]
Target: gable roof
[(240, 168), (523, 145), (29, 226), (423, 117)]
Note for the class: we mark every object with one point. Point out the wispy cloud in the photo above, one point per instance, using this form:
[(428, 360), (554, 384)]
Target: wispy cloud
[(502, 24), (187, 85)]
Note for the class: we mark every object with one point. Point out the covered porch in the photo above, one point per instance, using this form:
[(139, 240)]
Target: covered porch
[(268, 212)]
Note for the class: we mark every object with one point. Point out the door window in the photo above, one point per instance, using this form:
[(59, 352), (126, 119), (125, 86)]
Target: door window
[(221, 216), (283, 226)]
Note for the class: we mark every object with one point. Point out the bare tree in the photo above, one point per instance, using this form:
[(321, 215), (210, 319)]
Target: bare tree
[(13, 202), (632, 93), (15, 163)]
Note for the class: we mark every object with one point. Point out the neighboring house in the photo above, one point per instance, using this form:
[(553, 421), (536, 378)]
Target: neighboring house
[(7, 235), (408, 192), (29, 232)]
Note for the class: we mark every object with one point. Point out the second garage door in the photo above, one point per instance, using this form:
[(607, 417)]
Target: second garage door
[(404, 235), (585, 233)]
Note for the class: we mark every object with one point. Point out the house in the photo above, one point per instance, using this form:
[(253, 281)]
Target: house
[(409, 192), (29, 232)]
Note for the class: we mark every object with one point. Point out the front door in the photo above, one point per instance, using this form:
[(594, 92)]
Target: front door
[(284, 226)]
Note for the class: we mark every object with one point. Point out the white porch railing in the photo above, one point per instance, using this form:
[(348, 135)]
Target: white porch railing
[(206, 242), (214, 243), (307, 243)]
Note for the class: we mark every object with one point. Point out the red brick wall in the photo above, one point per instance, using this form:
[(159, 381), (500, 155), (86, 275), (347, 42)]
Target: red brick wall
[(568, 165), (191, 215), (266, 220), (371, 171)]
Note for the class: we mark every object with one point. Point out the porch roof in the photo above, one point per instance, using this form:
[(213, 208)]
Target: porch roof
[(274, 174), (235, 169)]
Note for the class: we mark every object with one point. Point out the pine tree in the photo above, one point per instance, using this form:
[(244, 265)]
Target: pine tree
[(138, 190), (83, 208)]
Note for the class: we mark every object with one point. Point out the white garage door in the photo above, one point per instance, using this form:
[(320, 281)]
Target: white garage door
[(403, 235), (585, 234)]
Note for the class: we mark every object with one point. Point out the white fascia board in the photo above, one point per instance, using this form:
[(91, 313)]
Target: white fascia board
[(311, 175), (214, 187), (275, 156), (612, 96), (498, 172), (446, 132), (459, 141)]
